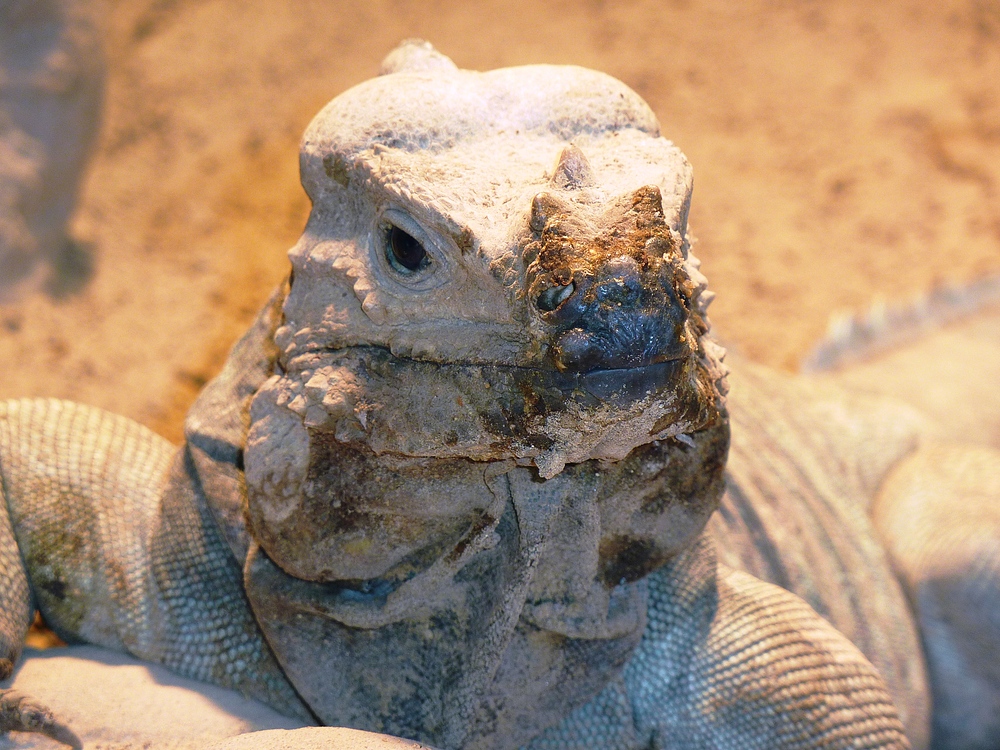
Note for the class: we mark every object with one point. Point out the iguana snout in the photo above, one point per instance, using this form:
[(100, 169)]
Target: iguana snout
[(609, 282)]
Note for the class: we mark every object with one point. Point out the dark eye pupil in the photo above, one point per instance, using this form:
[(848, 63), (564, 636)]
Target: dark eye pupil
[(406, 251)]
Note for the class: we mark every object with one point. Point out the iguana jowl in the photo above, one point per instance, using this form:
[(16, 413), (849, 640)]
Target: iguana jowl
[(454, 483)]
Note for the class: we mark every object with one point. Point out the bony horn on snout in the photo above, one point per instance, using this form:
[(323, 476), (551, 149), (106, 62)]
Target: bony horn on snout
[(572, 170)]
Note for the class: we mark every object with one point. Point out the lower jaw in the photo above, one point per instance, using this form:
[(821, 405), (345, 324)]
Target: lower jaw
[(481, 412)]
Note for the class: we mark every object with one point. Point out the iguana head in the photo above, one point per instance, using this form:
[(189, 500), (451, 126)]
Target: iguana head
[(494, 408)]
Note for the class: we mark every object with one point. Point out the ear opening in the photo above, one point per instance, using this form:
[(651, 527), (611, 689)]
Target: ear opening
[(415, 55)]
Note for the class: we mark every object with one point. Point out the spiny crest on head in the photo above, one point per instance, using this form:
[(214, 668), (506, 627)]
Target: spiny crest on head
[(413, 55), (572, 170)]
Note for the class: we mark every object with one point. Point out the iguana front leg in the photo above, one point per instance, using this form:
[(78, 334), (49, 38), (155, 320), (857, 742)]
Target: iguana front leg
[(17, 606), (83, 494), (771, 673), (105, 533), (730, 662)]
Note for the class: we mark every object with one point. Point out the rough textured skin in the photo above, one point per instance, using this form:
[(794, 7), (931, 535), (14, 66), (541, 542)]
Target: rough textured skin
[(120, 552), (456, 482)]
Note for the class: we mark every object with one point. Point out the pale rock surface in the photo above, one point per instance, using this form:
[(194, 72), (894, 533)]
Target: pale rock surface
[(317, 738), (113, 701)]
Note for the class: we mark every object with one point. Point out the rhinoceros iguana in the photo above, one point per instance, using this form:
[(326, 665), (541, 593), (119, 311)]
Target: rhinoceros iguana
[(465, 479)]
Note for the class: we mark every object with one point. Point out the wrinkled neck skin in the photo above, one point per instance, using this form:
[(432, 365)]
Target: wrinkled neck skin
[(442, 597)]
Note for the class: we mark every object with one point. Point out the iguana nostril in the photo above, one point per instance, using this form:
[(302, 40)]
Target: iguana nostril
[(554, 296)]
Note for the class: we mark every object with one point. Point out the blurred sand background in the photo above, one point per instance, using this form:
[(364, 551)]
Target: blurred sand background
[(844, 152)]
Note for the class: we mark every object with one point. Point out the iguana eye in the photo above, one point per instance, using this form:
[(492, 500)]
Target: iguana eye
[(404, 252)]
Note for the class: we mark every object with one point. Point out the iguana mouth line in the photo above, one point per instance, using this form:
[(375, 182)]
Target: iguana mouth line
[(602, 383)]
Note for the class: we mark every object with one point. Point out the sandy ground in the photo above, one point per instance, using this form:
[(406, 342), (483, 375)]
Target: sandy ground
[(844, 152)]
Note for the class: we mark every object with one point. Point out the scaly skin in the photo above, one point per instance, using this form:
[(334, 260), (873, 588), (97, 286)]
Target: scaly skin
[(703, 629), (470, 452), (118, 552)]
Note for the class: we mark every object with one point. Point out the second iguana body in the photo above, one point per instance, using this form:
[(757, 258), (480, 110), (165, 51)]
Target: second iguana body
[(454, 483)]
